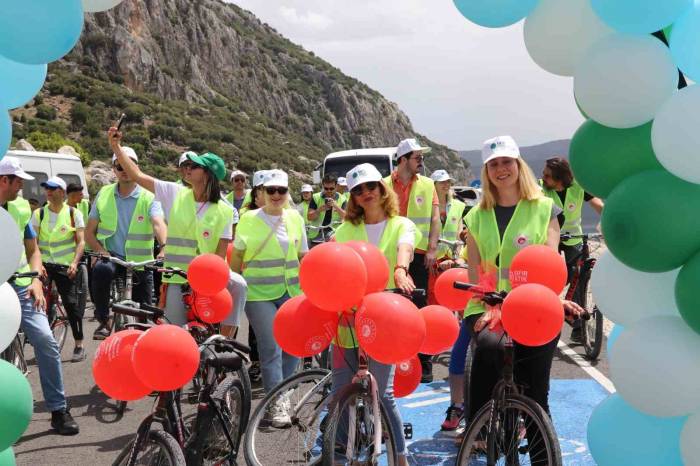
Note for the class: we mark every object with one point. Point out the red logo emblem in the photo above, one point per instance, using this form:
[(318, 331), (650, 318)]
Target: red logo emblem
[(206, 234), (140, 218)]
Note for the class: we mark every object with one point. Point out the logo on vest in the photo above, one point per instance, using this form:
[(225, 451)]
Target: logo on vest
[(453, 219), (64, 229), (419, 200), (571, 207), (140, 218), (206, 234), (521, 241)]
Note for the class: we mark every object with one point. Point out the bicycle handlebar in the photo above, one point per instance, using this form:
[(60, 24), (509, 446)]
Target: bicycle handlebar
[(417, 293), (167, 270), (16, 276), (586, 236), (145, 312), (123, 263), (224, 345), (447, 242)]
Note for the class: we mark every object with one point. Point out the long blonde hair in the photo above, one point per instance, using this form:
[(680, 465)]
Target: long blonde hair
[(390, 204), (527, 186)]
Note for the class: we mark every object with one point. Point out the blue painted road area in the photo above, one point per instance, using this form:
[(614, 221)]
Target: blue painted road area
[(571, 403)]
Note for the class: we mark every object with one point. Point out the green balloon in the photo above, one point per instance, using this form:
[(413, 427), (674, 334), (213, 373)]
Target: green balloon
[(16, 404), (602, 157), (687, 296), (651, 222), (7, 457)]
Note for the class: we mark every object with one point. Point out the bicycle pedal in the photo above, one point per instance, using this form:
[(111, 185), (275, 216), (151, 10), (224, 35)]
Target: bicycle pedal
[(407, 430)]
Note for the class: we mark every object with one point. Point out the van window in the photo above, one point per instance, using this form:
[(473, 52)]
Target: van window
[(70, 178), (31, 189), (341, 165)]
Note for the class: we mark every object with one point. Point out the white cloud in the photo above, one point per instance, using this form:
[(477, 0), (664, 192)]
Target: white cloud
[(309, 19)]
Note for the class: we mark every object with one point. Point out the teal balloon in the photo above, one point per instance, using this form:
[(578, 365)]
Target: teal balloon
[(651, 222), (7, 457), (640, 16), (19, 82), (603, 157), (495, 13), (685, 43), (620, 435), (5, 130), (687, 294), (612, 338), (39, 31), (16, 404)]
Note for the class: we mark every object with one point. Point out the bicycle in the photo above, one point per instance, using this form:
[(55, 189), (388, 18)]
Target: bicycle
[(580, 292), (216, 414), (325, 233), (14, 353), (453, 247), (56, 313), (511, 428)]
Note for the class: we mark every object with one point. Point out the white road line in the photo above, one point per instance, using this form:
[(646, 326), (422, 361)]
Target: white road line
[(433, 401), (586, 366), (437, 391)]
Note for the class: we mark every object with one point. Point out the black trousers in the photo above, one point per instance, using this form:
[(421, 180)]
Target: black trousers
[(73, 296), (419, 274)]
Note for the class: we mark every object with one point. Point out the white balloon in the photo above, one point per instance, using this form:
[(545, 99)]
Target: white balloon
[(558, 33), (10, 315), (690, 446), (626, 296), (12, 246), (675, 136), (655, 367), (93, 6), (622, 80)]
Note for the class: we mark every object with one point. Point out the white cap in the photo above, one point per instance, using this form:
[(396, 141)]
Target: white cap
[(363, 173), (259, 177), (306, 188), (54, 182), (500, 146), (11, 166), (183, 158), (129, 152), (342, 181), (441, 175), (409, 145), (238, 172), (276, 178)]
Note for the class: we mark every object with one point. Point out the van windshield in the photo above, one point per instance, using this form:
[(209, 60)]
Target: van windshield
[(342, 165)]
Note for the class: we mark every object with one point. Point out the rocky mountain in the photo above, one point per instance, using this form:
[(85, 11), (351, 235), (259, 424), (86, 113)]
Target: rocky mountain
[(209, 75)]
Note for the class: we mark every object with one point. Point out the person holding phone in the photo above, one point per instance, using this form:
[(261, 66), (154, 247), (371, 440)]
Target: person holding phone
[(328, 205)]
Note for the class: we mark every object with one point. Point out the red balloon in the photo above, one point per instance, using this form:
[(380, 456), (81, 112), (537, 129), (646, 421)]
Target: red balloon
[(112, 368), (333, 277), (532, 314), (212, 309), (449, 296), (208, 274), (165, 358), (407, 377), (302, 329), (441, 329), (229, 251), (389, 327), (538, 264), (376, 264)]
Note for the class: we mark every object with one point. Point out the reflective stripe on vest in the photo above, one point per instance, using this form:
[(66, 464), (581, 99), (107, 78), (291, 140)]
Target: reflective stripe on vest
[(57, 244), (21, 213), (312, 233), (527, 226), (572, 207), (388, 244), (451, 226), (270, 273), (189, 236), (139, 238), (420, 206)]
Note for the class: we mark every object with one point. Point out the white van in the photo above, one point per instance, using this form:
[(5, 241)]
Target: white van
[(342, 162), (44, 165)]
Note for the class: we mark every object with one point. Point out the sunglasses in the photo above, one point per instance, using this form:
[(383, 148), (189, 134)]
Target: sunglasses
[(332, 188), (118, 167), (239, 180), (369, 186), (276, 189)]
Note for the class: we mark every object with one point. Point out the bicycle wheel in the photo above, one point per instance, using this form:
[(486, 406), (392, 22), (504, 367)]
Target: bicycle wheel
[(468, 373), (307, 394), (60, 325), (15, 355), (335, 437), (517, 433), (592, 329), (159, 449)]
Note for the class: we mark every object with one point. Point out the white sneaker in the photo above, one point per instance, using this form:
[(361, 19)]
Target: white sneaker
[(280, 414)]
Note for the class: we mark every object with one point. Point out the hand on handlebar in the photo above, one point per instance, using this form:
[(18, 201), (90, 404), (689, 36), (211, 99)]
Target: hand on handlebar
[(491, 319), (572, 310), (404, 281)]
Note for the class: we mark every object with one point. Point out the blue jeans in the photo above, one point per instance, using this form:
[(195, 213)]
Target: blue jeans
[(276, 364), (102, 275), (35, 326), (344, 367), (458, 356)]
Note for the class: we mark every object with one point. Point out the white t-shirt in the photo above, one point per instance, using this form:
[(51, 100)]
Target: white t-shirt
[(280, 232), (375, 230), (166, 193), (77, 219)]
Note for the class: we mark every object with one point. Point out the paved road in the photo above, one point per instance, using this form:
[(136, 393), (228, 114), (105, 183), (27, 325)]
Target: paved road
[(574, 394)]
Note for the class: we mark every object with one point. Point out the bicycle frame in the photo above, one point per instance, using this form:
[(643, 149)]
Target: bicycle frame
[(364, 377)]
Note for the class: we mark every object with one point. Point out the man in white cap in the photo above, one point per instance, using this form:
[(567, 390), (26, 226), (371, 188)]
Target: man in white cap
[(184, 158), (61, 229), (328, 206), (343, 188), (237, 197), (307, 192), (122, 223), (34, 323), (419, 202)]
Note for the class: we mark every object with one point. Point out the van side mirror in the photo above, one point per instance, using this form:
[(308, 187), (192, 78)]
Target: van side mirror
[(316, 175)]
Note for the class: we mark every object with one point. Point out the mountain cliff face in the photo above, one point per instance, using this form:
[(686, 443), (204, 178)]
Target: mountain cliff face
[(200, 50)]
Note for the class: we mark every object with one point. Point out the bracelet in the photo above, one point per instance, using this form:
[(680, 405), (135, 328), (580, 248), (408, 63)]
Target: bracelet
[(402, 267)]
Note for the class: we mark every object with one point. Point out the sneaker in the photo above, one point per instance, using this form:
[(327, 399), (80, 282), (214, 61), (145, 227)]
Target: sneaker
[(280, 413), (78, 354), (454, 414), (64, 423), (254, 372), (101, 332)]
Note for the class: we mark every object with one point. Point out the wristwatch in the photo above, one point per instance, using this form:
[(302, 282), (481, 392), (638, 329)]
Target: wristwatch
[(404, 267)]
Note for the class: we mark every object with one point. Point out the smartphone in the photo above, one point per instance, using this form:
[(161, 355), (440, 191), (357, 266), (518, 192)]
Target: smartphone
[(328, 200), (120, 121)]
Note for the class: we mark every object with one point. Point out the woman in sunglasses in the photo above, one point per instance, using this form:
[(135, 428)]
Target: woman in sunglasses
[(269, 244), (372, 216), (199, 220)]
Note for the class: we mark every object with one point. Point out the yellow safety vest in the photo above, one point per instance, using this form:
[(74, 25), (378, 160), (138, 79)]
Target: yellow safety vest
[(449, 230), (57, 245), (420, 206), (21, 212), (572, 207)]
